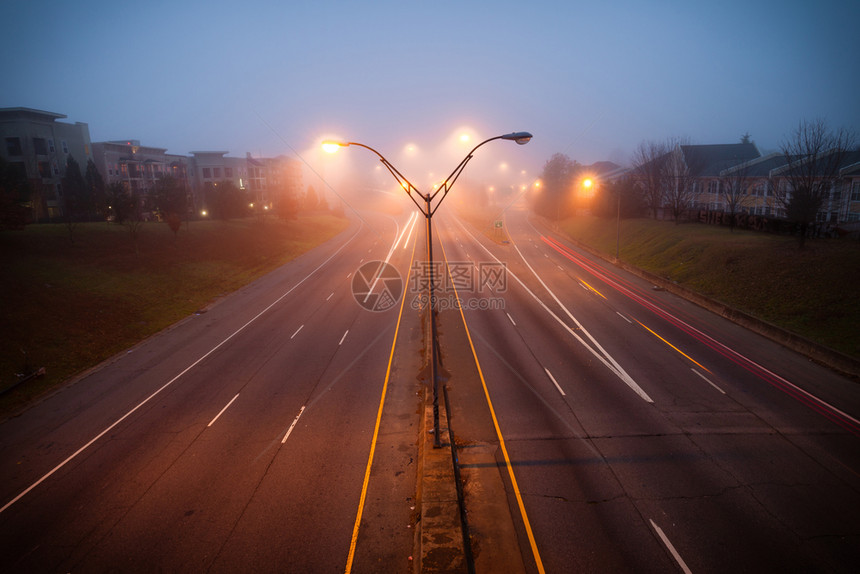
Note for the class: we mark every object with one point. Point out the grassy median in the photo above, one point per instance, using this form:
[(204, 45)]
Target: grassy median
[(67, 306), (814, 291)]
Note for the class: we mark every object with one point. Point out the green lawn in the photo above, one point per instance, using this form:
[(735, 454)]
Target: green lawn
[(814, 291), (68, 306)]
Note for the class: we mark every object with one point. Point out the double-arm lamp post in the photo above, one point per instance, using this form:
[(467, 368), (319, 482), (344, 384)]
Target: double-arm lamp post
[(428, 209)]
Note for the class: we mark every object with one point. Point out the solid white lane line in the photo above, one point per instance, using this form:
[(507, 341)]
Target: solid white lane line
[(671, 548), (329, 296), (342, 338), (511, 318), (398, 236), (292, 426), (596, 350), (708, 381), (623, 317), (409, 234), (297, 331), (554, 382), (176, 378), (222, 410)]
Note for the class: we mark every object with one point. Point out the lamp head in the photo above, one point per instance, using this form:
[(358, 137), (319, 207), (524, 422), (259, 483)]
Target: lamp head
[(521, 138), (331, 146)]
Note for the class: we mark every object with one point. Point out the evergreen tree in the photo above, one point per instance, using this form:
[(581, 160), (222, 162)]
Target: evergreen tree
[(96, 190), (15, 196), (75, 196)]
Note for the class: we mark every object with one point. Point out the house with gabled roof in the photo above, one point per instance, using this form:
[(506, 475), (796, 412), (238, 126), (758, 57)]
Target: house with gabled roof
[(707, 164)]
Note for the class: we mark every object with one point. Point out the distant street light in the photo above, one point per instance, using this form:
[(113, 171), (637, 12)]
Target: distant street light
[(428, 209)]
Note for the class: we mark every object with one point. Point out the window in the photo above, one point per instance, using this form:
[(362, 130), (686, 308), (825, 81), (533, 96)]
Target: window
[(216, 171), (44, 169), (207, 173), (13, 146), (51, 145), (65, 146), (40, 146), (855, 191), (228, 172)]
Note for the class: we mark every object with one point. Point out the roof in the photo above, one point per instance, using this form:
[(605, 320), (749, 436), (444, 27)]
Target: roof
[(824, 164), (12, 113), (710, 160), (758, 167), (851, 164), (202, 153)]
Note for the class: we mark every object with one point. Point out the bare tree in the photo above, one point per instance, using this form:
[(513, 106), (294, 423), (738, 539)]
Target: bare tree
[(734, 187), (814, 155), (648, 169), (680, 171)]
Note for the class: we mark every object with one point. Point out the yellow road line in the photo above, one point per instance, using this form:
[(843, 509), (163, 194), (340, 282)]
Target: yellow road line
[(508, 465), (673, 346), (593, 289), (363, 497)]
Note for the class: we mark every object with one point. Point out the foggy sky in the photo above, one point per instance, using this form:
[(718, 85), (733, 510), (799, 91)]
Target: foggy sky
[(590, 80)]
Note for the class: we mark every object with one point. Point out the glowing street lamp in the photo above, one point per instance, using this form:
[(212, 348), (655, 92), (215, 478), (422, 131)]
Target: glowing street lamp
[(428, 209)]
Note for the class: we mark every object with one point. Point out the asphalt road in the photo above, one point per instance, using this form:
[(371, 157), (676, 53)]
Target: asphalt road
[(615, 427), (238, 440), (637, 432)]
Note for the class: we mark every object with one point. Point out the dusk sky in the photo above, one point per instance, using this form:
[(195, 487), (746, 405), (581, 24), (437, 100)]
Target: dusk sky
[(590, 80)]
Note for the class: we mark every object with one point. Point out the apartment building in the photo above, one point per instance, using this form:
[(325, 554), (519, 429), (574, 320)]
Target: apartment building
[(265, 181), (138, 167), (37, 144)]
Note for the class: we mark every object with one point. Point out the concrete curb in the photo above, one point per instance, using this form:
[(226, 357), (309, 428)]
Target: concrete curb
[(440, 531)]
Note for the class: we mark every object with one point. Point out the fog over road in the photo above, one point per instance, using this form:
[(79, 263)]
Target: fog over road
[(278, 429)]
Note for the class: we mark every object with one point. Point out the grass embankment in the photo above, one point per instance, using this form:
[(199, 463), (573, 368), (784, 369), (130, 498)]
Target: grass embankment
[(813, 292), (69, 306)]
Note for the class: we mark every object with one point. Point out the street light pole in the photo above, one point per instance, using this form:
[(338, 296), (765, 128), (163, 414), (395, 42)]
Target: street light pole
[(428, 209)]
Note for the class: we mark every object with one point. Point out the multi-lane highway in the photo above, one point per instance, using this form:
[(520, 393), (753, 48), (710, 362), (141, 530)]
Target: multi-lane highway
[(614, 427), (238, 440), (637, 432)]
